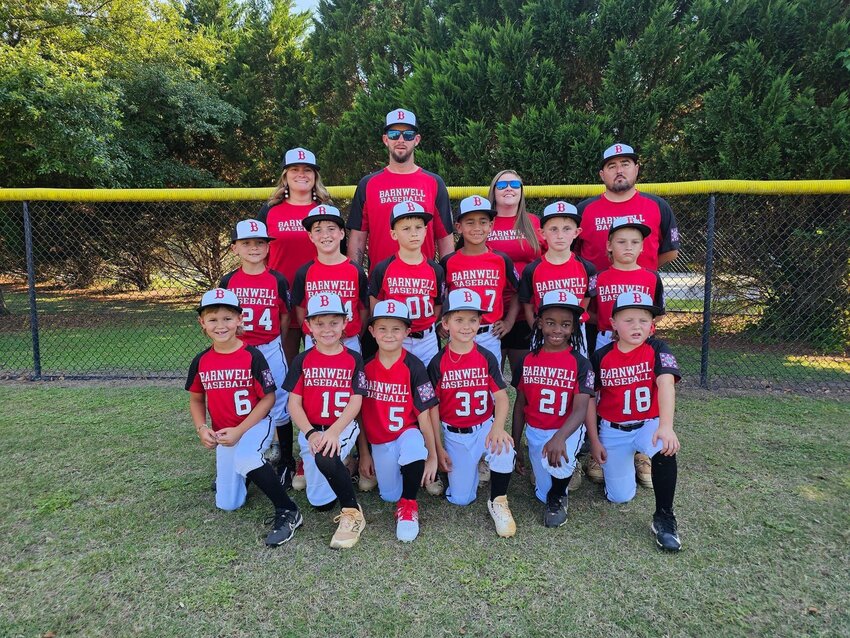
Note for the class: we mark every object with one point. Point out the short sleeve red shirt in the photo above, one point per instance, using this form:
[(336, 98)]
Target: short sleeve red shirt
[(325, 383), (292, 247), (373, 202), (549, 381), (490, 274), (627, 380), (610, 283), (465, 384), (232, 383), (598, 213), (263, 298), (396, 396), (418, 286), (540, 276), (346, 279), (507, 239)]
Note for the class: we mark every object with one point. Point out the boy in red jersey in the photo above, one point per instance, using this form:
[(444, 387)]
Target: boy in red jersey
[(472, 410), (264, 297), (331, 271), (635, 382), (395, 418), (625, 244), (554, 384), (487, 272), (326, 387), (233, 382), (412, 279), (558, 268)]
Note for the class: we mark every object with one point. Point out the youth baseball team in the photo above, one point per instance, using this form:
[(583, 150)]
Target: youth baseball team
[(569, 299)]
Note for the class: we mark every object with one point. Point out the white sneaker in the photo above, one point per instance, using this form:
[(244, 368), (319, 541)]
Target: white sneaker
[(407, 517), (502, 517)]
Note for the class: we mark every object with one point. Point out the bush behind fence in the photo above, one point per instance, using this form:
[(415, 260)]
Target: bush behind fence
[(115, 284)]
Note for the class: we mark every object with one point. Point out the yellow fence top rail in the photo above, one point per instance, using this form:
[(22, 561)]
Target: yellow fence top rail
[(798, 187)]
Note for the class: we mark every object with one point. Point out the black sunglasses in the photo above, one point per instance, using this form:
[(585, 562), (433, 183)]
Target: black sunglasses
[(409, 135), (503, 184)]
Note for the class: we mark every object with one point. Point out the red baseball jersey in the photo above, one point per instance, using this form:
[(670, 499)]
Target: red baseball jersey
[(577, 276), (292, 247), (396, 396), (373, 202), (506, 239), (465, 384), (263, 298), (626, 380), (490, 274), (346, 279), (610, 283), (549, 380), (420, 287), (325, 383), (598, 213), (232, 383)]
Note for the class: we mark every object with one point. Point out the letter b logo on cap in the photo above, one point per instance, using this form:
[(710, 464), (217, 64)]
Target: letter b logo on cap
[(476, 201), (562, 296), (254, 227), (467, 296), (391, 307), (637, 298), (400, 115), (411, 207), (322, 210), (301, 155), (561, 207), (324, 301), (219, 293)]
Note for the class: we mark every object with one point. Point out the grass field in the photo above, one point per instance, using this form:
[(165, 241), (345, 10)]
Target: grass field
[(109, 529)]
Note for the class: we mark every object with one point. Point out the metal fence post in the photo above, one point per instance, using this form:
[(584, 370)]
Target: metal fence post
[(36, 349), (706, 300)]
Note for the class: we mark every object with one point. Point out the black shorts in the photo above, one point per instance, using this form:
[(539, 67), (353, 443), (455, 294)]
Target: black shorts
[(519, 338)]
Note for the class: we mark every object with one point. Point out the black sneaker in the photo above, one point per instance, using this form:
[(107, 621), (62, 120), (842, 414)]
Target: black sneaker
[(555, 513), (285, 477), (665, 532), (283, 529)]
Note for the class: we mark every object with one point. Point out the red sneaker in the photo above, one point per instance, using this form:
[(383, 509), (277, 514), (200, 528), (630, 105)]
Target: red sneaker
[(407, 517)]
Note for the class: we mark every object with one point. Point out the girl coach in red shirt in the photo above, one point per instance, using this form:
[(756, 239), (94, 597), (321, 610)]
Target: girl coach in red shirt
[(298, 190), (517, 234)]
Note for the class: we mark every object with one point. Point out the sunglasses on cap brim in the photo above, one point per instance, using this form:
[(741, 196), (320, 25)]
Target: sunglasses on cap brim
[(409, 135)]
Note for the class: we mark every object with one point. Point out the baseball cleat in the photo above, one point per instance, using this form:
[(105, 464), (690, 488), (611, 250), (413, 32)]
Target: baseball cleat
[(366, 484), (299, 482), (555, 513), (407, 520), (435, 487), (483, 472), (273, 453), (502, 517), (575, 480), (351, 525), (665, 531), (283, 529), (593, 471), (643, 470)]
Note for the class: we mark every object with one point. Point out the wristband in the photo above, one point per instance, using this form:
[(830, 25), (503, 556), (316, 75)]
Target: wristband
[(311, 432)]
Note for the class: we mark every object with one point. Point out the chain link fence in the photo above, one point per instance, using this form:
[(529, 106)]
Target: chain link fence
[(759, 296)]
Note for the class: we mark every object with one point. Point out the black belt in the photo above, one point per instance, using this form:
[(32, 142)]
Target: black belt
[(627, 427), (484, 329), (417, 335), (455, 430)]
